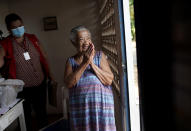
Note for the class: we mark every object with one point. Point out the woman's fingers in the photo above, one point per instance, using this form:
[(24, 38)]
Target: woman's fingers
[(90, 49), (89, 54), (92, 45)]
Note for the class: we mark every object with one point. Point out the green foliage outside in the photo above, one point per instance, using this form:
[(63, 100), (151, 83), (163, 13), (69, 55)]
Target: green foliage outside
[(132, 19)]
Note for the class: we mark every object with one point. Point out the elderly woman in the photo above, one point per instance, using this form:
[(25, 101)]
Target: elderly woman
[(88, 77)]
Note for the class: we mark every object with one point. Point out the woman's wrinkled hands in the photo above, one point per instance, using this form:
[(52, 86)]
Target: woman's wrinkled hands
[(89, 54)]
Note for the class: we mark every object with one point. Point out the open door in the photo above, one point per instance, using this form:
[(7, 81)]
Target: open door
[(117, 45)]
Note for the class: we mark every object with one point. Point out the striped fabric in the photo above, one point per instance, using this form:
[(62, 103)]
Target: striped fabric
[(91, 103), (30, 71)]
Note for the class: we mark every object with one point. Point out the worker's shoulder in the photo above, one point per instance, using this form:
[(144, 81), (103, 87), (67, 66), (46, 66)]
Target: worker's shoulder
[(5, 41)]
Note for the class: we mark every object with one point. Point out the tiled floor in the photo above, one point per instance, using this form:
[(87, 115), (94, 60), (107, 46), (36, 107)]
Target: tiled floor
[(51, 119), (59, 125)]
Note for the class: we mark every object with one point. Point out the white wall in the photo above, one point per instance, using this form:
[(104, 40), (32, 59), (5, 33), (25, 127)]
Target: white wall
[(56, 43), (4, 10)]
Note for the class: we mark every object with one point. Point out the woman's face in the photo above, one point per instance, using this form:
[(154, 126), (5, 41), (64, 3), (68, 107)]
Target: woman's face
[(83, 40)]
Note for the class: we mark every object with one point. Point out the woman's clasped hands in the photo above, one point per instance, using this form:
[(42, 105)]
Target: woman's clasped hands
[(89, 54)]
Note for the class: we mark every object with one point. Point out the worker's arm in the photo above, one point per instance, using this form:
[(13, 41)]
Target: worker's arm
[(45, 56), (2, 54)]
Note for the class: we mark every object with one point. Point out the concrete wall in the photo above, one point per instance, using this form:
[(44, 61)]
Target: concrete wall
[(56, 43), (4, 10)]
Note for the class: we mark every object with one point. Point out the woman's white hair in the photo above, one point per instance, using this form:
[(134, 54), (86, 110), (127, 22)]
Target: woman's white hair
[(75, 30)]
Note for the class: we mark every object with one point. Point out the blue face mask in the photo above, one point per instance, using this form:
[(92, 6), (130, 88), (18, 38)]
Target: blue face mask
[(18, 32)]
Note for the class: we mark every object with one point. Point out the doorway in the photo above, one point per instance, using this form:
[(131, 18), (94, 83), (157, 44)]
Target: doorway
[(110, 32)]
